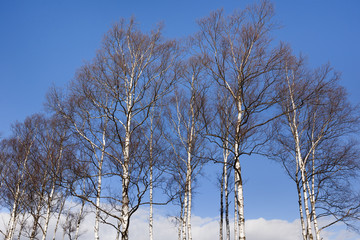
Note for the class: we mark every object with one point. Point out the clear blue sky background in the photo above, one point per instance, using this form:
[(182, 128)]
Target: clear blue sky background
[(43, 43)]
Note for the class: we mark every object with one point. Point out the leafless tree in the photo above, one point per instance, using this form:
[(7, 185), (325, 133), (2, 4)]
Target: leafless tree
[(16, 153), (224, 123), (314, 144), (240, 58), (188, 119), (130, 73)]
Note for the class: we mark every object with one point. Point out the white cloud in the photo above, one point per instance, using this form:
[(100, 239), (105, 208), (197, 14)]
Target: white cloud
[(202, 229)]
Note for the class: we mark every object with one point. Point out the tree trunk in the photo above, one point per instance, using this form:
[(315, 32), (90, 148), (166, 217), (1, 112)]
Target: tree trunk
[(13, 215), (126, 179), (312, 199), (221, 224), (79, 220), (184, 219), (189, 189), (151, 220), (50, 198), (226, 191), (303, 230), (236, 219), (151, 204), (238, 178), (59, 216)]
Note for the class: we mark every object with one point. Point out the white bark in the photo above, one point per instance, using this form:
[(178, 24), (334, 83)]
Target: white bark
[(238, 178), (312, 197), (221, 223), (51, 196), (184, 218), (303, 230), (79, 220), (59, 216), (236, 219), (226, 191), (151, 162), (14, 211), (300, 161), (99, 184), (188, 220), (126, 175), (151, 221)]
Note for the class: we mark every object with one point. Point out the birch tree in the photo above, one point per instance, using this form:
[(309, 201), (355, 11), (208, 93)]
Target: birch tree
[(156, 148), (48, 159), (315, 148), (16, 153), (188, 120), (224, 123), (130, 73), (241, 60)]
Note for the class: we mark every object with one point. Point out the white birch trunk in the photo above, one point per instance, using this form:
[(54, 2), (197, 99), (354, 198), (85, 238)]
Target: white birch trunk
[(188, 220), (48, 212), (312, 197), (151, 220), (184, 219), (303, 230), (79, 220), (221, 223), (238, 179), (22, 226), (236, 218), (226, 191), (58, 218), (49, 200), (300, 161), (12, 220), (97, 210), (13, 215), (98, 190), (126, 176)]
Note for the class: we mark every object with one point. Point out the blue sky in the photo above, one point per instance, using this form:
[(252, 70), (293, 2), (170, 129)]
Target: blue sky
[(42, 43)]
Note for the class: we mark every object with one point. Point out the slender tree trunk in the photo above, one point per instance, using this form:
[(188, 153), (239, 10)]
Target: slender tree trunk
[(189, 189), (181, 219), (14, 211), (64, 232), (238, 178), (97, 210), (13, 215), (312, 197), (236, 218), (306, 205), (58, 218), (301, 163), (126, 178), (303, 230), (22, 225), (226, 191), (99, 184), (48, 212), (79, 219), (151, 220), (240, 203), (224, 195), (221, 224), (184, 232), (50, 198)]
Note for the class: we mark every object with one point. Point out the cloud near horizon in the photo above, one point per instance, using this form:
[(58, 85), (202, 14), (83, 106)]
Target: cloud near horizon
[(202, 229)]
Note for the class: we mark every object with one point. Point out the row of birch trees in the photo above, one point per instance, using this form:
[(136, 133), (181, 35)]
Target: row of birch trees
[(139, 122)]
